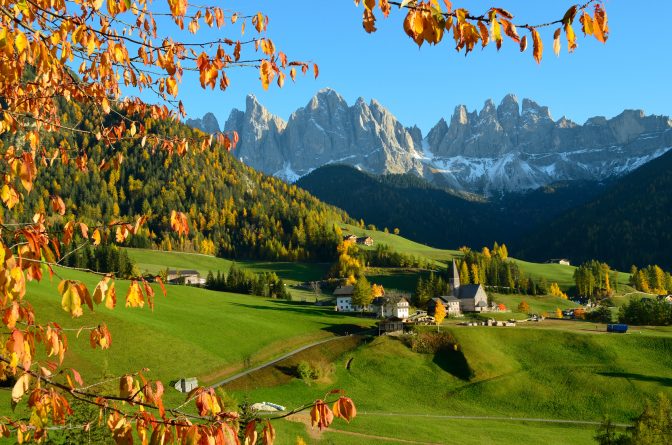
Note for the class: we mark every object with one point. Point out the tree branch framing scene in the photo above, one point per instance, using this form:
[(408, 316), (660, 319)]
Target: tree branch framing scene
[(326, 273)]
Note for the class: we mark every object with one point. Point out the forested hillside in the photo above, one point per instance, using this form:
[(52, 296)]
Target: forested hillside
[(234, 211), (628, 224), (438, 217), (422, 212)]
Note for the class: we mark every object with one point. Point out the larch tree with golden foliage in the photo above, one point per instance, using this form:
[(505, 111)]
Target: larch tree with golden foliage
[(439, 314), (524, 307), (54, 52)]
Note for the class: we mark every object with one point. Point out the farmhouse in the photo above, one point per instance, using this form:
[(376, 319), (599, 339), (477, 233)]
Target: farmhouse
[(185, 277), (350, 237), (563, 261), (391, 306), (366, 240), (449, 302), (343, 296)]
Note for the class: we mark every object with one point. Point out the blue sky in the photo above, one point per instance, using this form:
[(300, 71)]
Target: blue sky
[(422, 85)]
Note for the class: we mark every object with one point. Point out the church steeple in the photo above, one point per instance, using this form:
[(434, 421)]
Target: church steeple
[(454, 280)]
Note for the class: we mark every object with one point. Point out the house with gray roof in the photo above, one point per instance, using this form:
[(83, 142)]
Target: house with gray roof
[(395, 306), (450, 303)]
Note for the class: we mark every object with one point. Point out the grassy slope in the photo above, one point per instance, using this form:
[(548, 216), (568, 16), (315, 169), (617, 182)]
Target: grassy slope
[(563, 275), (537, 304), (403, 245), (153, 261), (191, 332), (530, 372)]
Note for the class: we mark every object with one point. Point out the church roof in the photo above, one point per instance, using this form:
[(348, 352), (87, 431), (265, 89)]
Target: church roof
[(455, 273), (469, 290)]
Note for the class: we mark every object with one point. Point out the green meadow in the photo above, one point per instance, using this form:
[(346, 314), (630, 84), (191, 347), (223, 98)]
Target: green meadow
[(499, 372), (191, 332), (154, 261)]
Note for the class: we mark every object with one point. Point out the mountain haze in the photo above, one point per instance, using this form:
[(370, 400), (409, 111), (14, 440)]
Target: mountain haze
[(501, 148)]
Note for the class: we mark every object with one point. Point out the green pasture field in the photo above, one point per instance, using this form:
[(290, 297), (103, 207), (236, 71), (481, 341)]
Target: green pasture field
[(531, 372), (190, 333), (154, 261)]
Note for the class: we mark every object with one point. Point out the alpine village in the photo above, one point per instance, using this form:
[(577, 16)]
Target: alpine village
[(318, 223)]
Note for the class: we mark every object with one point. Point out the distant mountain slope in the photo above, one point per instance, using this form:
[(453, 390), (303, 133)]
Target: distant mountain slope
[(438, 217), (508, 147), (630, 223), (422, 213)]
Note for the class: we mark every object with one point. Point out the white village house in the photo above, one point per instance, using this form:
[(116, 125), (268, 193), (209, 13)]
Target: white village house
[(185, 277), (343, 296), (386, 306), (396, 306)]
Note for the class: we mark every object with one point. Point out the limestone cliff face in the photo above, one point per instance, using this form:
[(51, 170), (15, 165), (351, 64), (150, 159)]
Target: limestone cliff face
[(208, 123), (505, 147), (325, 131)]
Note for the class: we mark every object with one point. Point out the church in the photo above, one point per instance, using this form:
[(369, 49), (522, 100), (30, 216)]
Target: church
[(470, 297)]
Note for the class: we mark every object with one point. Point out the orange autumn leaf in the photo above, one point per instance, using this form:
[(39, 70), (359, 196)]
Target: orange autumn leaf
[(320, 415), (537, 45), (58, 205), (344, 408)]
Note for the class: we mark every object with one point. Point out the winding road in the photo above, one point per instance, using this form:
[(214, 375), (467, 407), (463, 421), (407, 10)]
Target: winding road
[(274, 361)]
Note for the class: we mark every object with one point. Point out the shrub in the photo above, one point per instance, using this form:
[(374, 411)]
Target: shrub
[(601, 314), (314, 370), (432, 342)]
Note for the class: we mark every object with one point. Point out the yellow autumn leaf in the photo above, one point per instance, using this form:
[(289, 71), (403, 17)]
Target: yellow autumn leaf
[(20, 41), (71, 301), (105, 104), (20, 387), (571, 37), (96, 237), (134, 297)]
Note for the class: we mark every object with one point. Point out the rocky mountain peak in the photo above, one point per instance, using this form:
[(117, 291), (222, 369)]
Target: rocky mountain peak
[(509, 146), (489, 109), (208, 123), (460, 116), (563, 122), (531, 108)]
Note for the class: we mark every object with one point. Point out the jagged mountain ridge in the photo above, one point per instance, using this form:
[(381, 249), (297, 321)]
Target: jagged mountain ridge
[(499, 149), (208, 123)]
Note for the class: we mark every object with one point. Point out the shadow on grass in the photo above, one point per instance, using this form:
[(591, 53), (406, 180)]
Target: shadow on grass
[(347, 329), (290, 306), (455, 363), (666, 381), (291, 271)]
